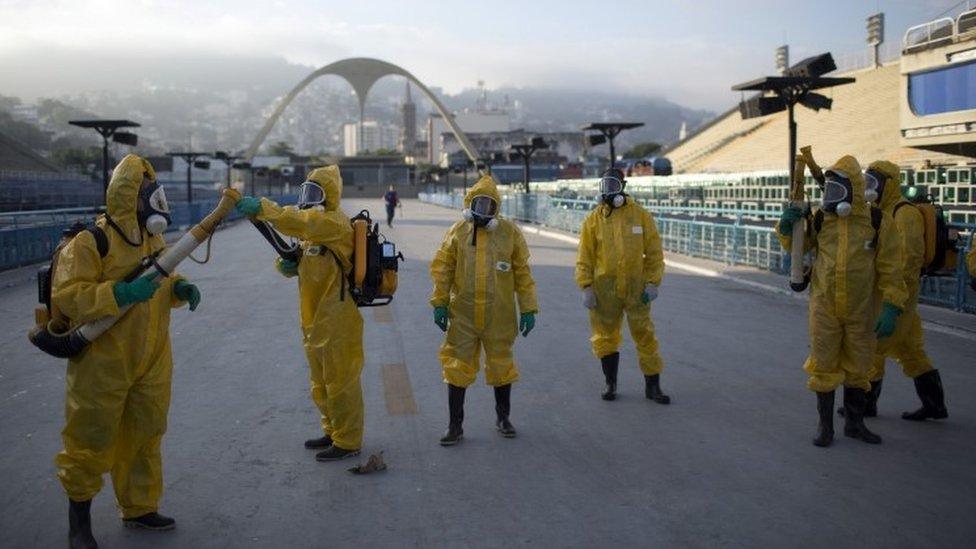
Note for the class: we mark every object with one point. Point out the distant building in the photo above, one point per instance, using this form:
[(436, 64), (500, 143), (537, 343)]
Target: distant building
[(563, 146), (408, 121), (374, 137), (470, 122)]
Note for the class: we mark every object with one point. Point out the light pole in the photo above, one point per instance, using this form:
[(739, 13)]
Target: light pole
[(106, 129), (526, 150), (228, 159), (608, 131), (191, 159)]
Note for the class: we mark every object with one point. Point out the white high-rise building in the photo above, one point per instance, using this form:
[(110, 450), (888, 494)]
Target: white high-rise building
[(374, 137)]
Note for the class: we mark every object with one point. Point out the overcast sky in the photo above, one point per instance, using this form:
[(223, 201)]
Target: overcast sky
[(687, 51)]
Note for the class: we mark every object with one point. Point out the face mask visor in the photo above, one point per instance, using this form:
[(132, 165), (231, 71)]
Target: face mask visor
[(310, 194), (837, 191), (874, 183), (610, 186)]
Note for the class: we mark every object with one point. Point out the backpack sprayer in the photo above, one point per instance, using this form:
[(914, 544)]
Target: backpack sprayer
[(46, 336)]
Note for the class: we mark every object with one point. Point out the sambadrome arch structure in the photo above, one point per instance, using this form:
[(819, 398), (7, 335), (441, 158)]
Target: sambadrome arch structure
[(361, 73)]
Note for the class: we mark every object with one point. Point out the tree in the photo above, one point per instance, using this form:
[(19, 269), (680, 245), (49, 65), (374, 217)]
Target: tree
[(642, 150), (281, 148)]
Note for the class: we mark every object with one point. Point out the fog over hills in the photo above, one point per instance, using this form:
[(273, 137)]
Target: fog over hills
[(219, 102)]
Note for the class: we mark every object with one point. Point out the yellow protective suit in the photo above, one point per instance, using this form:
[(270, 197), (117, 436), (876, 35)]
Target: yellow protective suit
[(619, 254), (478, 283), (118, 389), (971, 261), (907, 344), (332, 328), (850, 280)]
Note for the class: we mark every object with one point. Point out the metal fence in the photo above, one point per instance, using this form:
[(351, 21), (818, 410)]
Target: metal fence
[(735, 239), (30, 237)]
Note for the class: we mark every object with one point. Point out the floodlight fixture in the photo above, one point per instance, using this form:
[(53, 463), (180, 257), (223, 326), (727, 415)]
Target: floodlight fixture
[(526, 150), (107, 129), (191, 159), (126, 138), (608, 131)]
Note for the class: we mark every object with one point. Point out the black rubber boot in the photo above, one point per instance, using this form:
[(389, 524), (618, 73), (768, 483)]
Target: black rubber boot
[(150, 521), (610, 364), (825, 430), (870, 401), (503, 407), (854, 401), (929, 389), (318, 443), (652, 389), (79, 525), (455, 404), (334, 453)]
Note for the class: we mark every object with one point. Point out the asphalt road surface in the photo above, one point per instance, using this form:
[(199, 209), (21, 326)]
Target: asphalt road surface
[(729, 463)]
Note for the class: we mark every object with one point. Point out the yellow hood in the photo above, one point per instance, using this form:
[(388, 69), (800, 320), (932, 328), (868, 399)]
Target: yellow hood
[(849, 166), (331, 181), (485, 186), (122, 199), (892, 189)]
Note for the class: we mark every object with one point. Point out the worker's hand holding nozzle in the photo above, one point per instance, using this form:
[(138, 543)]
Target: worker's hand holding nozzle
[(440, 318), (249, 206), (589, 298), (137, 291), (790, 215)]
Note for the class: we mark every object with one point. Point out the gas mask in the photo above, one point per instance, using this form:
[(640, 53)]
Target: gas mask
[(153, 211), (310, 194), (482, 212), (874, 183), (838, 194), (612, 188)]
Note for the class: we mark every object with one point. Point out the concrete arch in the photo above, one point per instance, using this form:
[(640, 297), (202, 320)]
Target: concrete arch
[(361, 73)]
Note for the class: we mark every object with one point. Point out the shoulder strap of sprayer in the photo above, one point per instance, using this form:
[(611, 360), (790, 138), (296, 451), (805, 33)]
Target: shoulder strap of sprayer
[(101, 240), (876, 216)]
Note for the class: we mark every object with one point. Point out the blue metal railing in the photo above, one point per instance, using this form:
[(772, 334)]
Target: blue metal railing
[(729, 236), (30, 237)]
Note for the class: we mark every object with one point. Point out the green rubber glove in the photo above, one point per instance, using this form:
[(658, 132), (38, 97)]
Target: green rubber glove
[(790, 215), (137, 291), (440, 318), (885, 326), (185, 291), (287, 267), (526, 323), (249, 206)]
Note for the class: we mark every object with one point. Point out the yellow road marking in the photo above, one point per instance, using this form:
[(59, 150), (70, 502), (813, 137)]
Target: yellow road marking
[(397, 390)]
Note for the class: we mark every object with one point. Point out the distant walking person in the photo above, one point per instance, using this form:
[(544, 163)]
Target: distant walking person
[(392, 201)]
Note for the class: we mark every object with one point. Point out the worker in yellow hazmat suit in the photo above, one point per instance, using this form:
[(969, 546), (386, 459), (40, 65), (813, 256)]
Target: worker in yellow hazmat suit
[(907, 344), (332, 328), (971, 264), (480, 269), (118, 388), (857, 274), (619, 266)]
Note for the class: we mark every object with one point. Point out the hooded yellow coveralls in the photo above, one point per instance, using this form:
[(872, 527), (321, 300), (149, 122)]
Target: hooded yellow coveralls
[(118, 388), (478, 283), (619, 254), (971, 261), (332, 328), (907, 344), (850, 280)]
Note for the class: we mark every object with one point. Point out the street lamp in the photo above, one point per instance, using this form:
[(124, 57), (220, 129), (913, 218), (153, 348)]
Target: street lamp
[(796, 86), (608, 131), (526, 150), (106, 129), (191, 159), (228, 159)]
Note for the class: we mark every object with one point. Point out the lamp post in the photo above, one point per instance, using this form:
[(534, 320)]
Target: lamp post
[(795, 86), (191, 159), (106, 129), (608, 131), (526, 150), (228, 159)]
